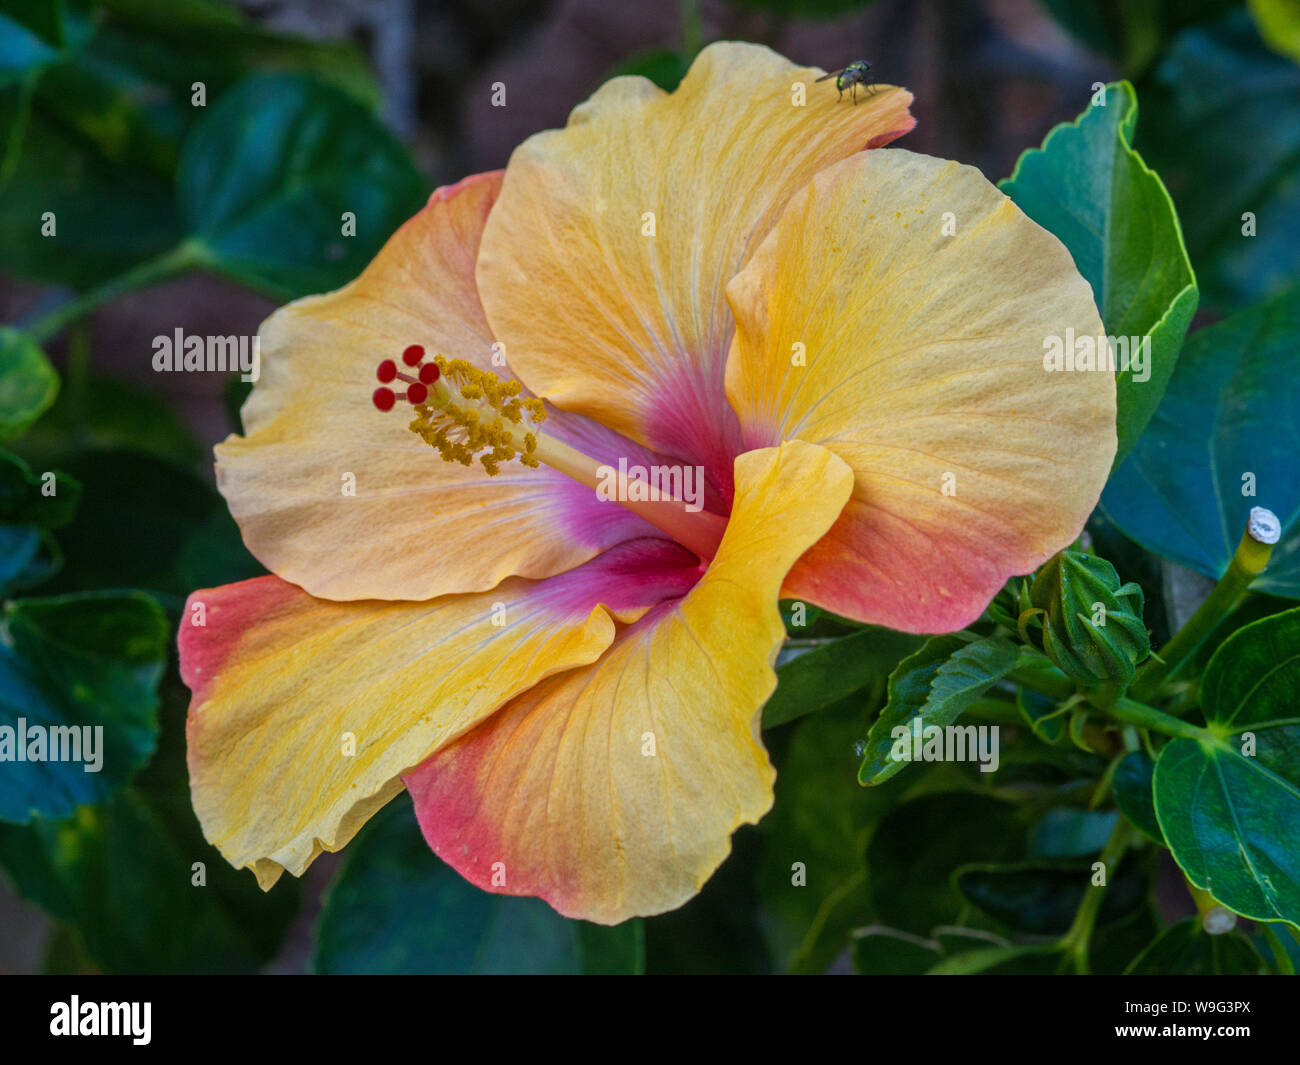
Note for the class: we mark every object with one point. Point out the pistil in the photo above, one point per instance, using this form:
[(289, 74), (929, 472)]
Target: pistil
[(466, 413)]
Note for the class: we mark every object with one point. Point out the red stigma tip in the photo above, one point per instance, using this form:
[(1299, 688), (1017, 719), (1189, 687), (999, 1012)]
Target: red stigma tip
[(417, 393), (429, 373), (412, 355), (387, 370), (384, 398)]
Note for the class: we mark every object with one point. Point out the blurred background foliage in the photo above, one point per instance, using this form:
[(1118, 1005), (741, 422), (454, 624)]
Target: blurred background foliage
[(175, 211)]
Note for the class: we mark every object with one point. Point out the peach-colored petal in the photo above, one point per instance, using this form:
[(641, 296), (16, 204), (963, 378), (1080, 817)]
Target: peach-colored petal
[(629, 328), (346, 501), (305, 711), (918, 357), (612, 790)]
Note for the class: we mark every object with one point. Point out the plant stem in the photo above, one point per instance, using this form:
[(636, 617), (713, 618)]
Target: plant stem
[(1058, 688), (1076, 941), (1132, 712), (183, 257), (1247, 563)]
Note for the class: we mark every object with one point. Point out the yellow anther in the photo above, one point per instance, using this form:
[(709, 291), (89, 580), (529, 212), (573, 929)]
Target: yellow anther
[(471, 413)]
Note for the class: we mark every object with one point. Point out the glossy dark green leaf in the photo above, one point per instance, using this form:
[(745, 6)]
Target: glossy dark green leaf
[(30, 506), (268, 174), (1066, 832), (70, 215), (932, 688), (47, 501), (123, 875), (1043, 715), (108, 414), (114, 110), (1089, 187), (1113, 947), (719, 930), (813, 677), (1133, 795), (812, 873), (664, 66), (395, 908), (1025, 959), (212, 41), (1135, 32), (1042, 897), (28, 555), (28, 383), (79, 672), (1229, 425), (148, 524), (1186, 949), (1222, 126), (917, 847), (35, 33), (1228, 803)]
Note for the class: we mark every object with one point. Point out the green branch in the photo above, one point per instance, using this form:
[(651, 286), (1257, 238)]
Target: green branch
[(1076, 941), (183, 257), (1248, 562)]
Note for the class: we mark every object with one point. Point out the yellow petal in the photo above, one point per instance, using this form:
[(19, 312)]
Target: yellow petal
[(305, 712), (612, 791), (918, 357), (630, 328), (344, 500)]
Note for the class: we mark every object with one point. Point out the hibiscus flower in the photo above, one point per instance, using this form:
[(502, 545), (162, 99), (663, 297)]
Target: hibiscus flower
[(845, 340)]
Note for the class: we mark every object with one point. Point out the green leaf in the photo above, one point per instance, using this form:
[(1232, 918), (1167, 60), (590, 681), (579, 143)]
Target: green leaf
[(719, 930), (1229, 424), (1132, 33), (1278, 22), (812, 872), (932, 688), (148, 524), (1042, 714), (1092, 625), (1030, 959), (28, 383), (204, 40), (1042, 897), (1186, 949), (267, 175), (664, 66), (108, 414), (48, 502), (921, 843), (123, 875), (1065, 832), (106, 216), (1133, 795), (1089, 187), (808, 679), (395, 908), (1228, 803), (28, 555), (30, 507), (35, 33), (87, 665), (1222, 127)]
